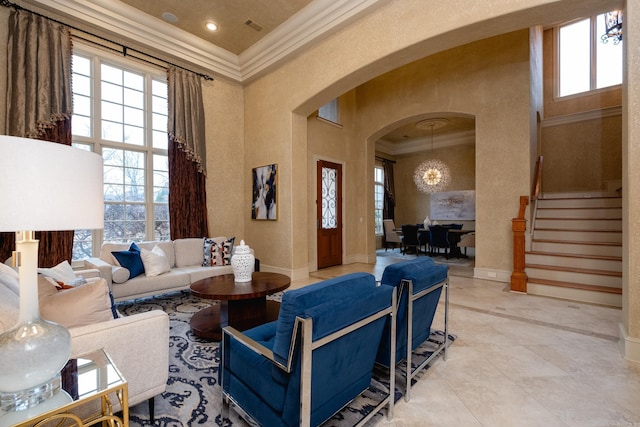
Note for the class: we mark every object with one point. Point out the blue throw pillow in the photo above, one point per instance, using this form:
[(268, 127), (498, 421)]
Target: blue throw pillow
[(131, 260)]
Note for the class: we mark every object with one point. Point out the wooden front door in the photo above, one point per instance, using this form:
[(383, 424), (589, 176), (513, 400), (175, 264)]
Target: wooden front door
[(329, 214)]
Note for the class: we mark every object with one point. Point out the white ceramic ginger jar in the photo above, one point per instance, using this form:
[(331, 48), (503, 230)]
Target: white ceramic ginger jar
[(242, 262)]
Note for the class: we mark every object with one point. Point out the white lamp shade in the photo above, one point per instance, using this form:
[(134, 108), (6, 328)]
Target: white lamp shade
[(46, 186)]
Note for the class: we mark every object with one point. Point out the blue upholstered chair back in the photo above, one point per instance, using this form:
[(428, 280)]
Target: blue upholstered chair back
[(308, 302), (342, 367), (424, 273), (438, 236)]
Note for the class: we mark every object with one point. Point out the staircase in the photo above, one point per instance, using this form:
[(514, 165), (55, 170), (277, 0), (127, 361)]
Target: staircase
[(576, 249)]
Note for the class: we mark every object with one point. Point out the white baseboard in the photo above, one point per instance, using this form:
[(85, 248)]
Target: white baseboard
[(629, 346), (359, 258), (492, 274), (294, 274)]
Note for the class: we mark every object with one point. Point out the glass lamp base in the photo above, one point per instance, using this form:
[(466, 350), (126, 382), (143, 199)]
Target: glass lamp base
[(24, 399), (59, 399), (32, 354)]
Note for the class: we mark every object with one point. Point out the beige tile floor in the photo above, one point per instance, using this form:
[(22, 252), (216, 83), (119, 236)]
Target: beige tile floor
[(519, 360)]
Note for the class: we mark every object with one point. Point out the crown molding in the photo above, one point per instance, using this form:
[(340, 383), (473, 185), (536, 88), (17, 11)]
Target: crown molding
[(126, 21), (318, 19), (423, 144)]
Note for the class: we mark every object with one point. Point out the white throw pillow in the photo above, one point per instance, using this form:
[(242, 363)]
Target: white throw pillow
[(60, 273), (9, 278), (155, 261), (119, 274)]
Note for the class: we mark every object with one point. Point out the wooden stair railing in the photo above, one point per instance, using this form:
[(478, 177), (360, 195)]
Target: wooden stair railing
[(536, 192), (518, 226)]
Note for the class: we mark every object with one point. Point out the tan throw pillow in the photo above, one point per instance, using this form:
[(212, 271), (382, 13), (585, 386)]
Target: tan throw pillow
[(82, 305)]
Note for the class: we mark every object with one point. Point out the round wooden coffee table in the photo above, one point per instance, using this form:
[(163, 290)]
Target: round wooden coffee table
[(242, 305)]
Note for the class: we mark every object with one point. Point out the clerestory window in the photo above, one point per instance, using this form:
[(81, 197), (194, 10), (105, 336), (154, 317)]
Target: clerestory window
[(585, 63)]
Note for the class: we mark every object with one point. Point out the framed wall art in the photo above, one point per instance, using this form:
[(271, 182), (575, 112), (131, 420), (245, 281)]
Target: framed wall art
[(454, 205), (264, 194)]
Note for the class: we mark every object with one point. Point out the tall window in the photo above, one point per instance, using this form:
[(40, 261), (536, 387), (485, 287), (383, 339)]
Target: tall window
[(585, 63), (378, 198), (120, 112)]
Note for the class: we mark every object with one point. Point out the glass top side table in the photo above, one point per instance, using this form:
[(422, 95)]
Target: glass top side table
[(92, 377)]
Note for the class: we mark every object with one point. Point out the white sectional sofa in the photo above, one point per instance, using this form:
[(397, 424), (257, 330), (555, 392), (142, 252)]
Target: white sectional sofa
[(185, 258), (138, 344)]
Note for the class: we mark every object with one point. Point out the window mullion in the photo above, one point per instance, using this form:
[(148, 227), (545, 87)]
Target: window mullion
[(96, 133), (593, 54), (148, 142)]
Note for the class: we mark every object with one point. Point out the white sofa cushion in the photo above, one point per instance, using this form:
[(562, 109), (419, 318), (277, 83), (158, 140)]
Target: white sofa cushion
[(188, 251), (199, 273), (143, 286), (107, 248)]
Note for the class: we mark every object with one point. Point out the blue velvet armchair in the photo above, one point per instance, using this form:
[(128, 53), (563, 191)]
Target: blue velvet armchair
[(317, 357), (423, 280)]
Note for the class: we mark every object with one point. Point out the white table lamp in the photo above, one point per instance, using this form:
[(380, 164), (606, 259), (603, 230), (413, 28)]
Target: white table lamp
[(44, 186)]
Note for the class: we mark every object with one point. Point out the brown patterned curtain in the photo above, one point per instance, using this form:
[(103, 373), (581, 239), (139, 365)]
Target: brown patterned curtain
[(187, 156), (389, 206), (39, 106)]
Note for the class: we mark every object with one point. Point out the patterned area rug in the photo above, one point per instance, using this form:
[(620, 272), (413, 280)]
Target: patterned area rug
[(439, 259), (193, 396)]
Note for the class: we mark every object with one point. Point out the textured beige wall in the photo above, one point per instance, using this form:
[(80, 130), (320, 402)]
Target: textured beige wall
[(488, 79), (630, 333), (594, 145), (412, 205), (228, 207), (373, 45), (582, 156), (338, 144)]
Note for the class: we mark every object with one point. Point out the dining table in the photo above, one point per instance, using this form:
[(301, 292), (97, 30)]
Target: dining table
[(453, 237)]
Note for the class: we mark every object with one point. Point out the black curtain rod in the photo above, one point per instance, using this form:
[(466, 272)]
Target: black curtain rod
[(385, 160), (125, 49)]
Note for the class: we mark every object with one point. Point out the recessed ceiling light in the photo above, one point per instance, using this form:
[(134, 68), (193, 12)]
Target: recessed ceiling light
[(169, 17), (211, 26)]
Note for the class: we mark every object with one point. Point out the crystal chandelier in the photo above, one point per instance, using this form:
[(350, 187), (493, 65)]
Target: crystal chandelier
[(432, 175), (613, 27)]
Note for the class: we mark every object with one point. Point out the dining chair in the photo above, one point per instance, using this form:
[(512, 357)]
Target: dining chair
[(467, 241), (391, 236), (410, 238), (438, 239)]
